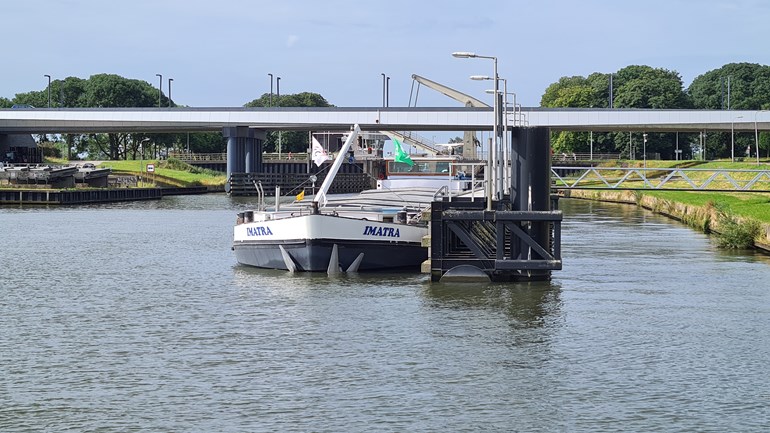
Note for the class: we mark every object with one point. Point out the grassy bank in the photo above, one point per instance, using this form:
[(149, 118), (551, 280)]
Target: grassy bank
[(169, 172), (739, 220)]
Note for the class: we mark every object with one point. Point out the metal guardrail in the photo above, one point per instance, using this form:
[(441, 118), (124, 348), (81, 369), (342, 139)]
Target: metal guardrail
[(184, 156), (294, 183), (562, 157), (677, 179), (222, 157)]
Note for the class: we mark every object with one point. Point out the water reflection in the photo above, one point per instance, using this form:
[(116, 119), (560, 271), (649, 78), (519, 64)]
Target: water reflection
[(527, 304)]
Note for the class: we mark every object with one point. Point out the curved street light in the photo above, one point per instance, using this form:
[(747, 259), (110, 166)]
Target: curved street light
[(49, 89), (160, 87), (271, 89), (387, 92), (169, 91), (503, 173), (278, 101), (383, 89), (492, 151)]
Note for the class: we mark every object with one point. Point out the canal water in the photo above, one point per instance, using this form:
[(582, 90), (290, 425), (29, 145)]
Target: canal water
[(135, 317)]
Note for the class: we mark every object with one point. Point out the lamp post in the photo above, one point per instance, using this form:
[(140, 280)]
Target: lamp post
[(169, 91), (732, 138), (271, 90), (383, 89), (493, 146), (160, 87), (278, 101), (141, 158), (756, 134), (387, 91), (505, 162), (644, 148), (49, 89)]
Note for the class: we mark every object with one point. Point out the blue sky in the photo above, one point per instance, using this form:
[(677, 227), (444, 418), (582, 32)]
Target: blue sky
[(220, 52)]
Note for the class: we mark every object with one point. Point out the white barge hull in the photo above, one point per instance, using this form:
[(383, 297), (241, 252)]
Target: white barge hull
[(309, 241)]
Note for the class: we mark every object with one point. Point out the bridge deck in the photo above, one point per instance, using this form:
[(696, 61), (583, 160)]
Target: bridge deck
[(85, 120)]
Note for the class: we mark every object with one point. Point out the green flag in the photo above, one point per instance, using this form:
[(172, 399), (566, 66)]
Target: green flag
[(401, 156)]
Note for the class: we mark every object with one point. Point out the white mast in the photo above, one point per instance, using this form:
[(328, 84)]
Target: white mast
[(320, 197)]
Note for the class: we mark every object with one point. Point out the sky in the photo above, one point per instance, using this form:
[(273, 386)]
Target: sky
[(219, 53)]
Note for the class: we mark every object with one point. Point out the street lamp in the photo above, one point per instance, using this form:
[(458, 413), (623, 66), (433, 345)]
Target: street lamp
[(493, 146), (169, 91), (756, 134), (141, 158), (387, 92), (644, 148), (160, 87), (271, 90), (383, 89), (732, 138), (49, 89), (278, 101), (503, 174)]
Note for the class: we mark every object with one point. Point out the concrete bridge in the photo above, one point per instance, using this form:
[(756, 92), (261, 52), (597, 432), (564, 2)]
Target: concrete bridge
[(87, 120)]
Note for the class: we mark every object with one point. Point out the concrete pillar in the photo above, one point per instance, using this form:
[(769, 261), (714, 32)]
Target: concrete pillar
[(254, 150), (244, 150)]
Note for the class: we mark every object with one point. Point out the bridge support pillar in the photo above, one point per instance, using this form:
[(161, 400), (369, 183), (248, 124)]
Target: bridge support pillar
[(244, 150)]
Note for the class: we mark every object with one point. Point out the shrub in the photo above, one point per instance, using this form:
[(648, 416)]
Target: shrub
[(734, 233)]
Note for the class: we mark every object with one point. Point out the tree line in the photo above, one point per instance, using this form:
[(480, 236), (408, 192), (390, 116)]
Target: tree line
[(114, 91), (736, 86), (739, 86)]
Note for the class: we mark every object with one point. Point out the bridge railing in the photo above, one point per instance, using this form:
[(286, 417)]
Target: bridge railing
[(563, 157), (294, 183), (681, 179), (187, 156)]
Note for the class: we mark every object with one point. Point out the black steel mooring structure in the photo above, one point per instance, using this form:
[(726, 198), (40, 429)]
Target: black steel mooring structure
[(520, 238)]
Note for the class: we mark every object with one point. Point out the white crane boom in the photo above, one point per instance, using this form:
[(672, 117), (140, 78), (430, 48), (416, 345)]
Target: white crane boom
[(467, 100)]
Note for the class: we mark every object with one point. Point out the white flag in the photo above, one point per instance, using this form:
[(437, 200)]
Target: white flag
[(319, 154)]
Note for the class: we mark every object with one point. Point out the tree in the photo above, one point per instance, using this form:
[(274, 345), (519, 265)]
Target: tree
[(577, 92), (749, 89), (291, 141), (101, 90), (641, 86), (634, 87), (647, 87)]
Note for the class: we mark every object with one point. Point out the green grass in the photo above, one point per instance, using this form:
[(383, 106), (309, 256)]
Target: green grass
[(181, 175), (749, 205)]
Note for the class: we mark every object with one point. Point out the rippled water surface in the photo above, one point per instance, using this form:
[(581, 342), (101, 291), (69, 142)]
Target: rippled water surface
[(135, 317)]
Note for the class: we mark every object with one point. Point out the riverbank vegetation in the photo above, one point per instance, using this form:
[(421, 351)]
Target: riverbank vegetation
[(171, 172), (737, 219)]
